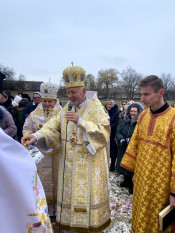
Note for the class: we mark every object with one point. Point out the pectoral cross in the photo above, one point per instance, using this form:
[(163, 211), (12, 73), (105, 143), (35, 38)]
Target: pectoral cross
[(73, 139)]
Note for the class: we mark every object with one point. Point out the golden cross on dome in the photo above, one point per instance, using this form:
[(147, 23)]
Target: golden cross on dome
[(72, 63)]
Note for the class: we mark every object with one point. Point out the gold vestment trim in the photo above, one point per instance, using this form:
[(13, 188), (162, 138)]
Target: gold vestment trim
[(80, 210), (82, 229), (68, 206)]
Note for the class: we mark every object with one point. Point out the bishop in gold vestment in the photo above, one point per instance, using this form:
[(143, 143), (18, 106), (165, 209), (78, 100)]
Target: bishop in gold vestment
[(151, 156), (83, 188)]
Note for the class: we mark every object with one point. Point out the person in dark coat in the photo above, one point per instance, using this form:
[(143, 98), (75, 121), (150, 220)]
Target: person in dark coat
[(19, 117), (112, 110), (123, 136), (30, 107)]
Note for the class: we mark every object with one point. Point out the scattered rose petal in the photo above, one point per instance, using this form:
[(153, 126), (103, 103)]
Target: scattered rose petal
[(112, 207), (124, 211)]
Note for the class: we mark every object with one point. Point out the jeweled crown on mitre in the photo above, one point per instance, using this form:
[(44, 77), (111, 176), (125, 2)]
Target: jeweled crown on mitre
[(48, 90), (74, 76)]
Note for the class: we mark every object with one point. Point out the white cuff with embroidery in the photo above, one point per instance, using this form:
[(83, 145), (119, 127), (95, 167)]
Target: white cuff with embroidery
[(89, 147), (36, 136), (45, 148), (79, 121)]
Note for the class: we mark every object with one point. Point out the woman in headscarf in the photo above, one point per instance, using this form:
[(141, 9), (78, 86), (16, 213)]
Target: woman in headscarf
[(123, 136), (112, 110)]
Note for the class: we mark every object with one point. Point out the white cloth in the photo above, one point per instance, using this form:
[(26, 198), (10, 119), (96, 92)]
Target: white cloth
[(35, 153), (16, 100), (22, 199)]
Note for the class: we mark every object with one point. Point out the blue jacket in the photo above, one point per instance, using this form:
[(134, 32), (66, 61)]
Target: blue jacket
[(28, 109)]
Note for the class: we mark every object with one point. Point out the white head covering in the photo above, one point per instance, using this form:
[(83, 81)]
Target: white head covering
[(23, 203), (37, 92)]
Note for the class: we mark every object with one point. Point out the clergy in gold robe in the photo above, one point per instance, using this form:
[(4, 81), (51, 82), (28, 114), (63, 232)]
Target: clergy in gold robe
[(151, 156), (83, 185), (48, 167)]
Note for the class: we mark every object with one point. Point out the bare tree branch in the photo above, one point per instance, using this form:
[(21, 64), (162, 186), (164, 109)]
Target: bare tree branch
[(8, 72), (106, 79), (130, 81)]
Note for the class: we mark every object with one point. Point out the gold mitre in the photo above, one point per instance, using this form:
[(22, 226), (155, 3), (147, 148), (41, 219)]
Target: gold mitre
[(74, 76), (49, 90)]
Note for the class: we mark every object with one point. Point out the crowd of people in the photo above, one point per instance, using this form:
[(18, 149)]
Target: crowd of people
[(19, 107), (74, 140)]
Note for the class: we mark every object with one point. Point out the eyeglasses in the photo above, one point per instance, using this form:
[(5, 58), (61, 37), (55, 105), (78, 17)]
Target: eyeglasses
[(35, 98)]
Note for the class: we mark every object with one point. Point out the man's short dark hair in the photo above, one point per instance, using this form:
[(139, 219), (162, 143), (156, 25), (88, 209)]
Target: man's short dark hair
[(153, 81)]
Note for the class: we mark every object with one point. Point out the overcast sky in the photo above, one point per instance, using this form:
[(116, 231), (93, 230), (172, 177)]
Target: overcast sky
[(41, 38)]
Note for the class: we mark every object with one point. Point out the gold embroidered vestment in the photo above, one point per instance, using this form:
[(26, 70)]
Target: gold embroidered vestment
[(151, 156), (83, 169), (47, 168)]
